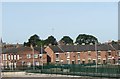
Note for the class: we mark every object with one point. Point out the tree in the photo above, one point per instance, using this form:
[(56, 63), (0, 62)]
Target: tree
[(86, 39), (34, 40), (67, 40), (50, 40)]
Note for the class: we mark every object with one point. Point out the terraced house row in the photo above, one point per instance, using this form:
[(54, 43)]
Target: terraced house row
[(60, 54)]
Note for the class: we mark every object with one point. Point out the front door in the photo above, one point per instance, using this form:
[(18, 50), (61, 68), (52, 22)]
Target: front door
[(73, 62), (113, 61), (104, 61)]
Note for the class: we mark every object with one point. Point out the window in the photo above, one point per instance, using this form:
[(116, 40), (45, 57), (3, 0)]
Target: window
[(11, 57), (35, 55), (37, 63), (40, 55), (98, 61), (8, 57), (94, 61), (14, 57), (14, 65), (57, 62), (89, 61), (28, 55), (57, 55), (18, 57), (61, 61), (4, 56), (9, 65), (89, 53), (78, 55), (98, 53), (23, 62), (28, 64), (78, 61), (68, 61), (5, 64), (68, 54), (109, 53)]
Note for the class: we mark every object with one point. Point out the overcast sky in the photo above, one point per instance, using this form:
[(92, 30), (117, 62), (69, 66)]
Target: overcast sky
[(21, 20)]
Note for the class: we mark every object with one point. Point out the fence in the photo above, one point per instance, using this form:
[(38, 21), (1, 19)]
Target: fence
[(110, 71)]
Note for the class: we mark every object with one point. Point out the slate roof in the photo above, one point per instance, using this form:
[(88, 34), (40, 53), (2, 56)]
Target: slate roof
[(15, 50), (79, 48)]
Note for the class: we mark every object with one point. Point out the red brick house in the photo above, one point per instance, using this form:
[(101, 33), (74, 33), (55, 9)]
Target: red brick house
[(83, 54), (23, 56)]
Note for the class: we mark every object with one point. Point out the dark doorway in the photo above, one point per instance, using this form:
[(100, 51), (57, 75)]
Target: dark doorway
[(73, 62), (48, 59), (113, 61), (94, 61), (104, 61), (83, 62)]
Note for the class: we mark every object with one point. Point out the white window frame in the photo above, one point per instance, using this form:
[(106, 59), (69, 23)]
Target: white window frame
[(68, 54), (37, 63), (35, 55), (3, 57), (78, 61), (15, 57), (28, 56), (18, 57), (29, 64), (68, 61), (11, 57)]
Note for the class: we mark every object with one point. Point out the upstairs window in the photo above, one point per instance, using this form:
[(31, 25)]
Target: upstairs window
[(35, 55), (14, 57), (28, 55), (99, 53), (109, 53), (11, 57), (4, 56), (57, 55), (89, 53), (78, 55), (68, 54), (8, 57), (18, 57)]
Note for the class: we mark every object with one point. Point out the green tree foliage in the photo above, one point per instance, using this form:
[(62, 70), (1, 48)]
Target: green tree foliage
[(34, 40), (50, 40), (87, 39), (67, 40)]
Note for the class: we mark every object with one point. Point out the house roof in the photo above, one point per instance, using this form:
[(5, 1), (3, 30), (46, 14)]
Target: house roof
[(79, 48), (22, 48)]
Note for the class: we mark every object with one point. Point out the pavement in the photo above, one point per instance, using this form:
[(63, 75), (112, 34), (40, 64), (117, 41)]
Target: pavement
[(24, 75)]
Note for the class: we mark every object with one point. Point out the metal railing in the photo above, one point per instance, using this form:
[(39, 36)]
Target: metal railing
[(110, 71)]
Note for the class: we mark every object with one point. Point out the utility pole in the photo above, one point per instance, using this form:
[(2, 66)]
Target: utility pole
[(96, 55), (42, 56), (33, 56)]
